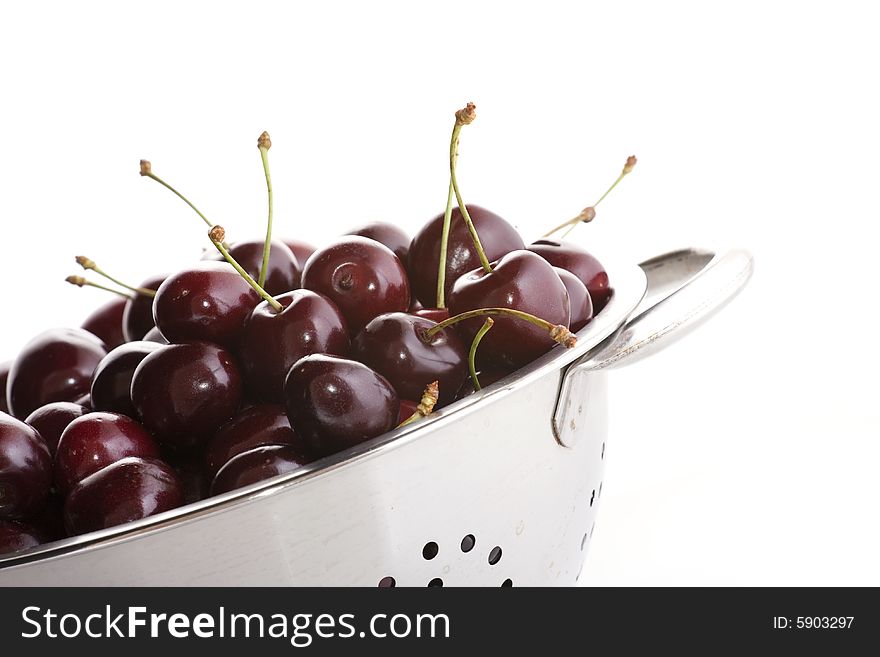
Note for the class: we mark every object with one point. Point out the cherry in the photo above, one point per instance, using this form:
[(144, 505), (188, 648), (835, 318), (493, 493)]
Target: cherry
[(498, 238), (258, 426), (85, 401), (388, 234), (407, 408), (336, 403), (130, 489), (487, 376), (25, 469), (258, 464), (15, 536), (51, 420), (138, 316), (579, 262), (434, 314), (273, 341), (284, 271), (49, 522), (395, 346), (190, 468), (361, 276), (522, 281), (95, 441), (155, 335), (183, 393), (301, 250), (208, 301), (579, 299), (106, 322), (57, 365), (4, 375), (111, 382)]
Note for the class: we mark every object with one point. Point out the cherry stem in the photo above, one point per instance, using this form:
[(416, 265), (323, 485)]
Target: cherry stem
[(79, 281), (444, 248), (473, 353), (89, 264), (558, 332), (464, 117), (264, 144), (426, 405), (147, 171), (589, 213), (217, 235)]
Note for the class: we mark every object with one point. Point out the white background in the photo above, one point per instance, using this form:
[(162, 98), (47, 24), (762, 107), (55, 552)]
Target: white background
[(747, 454)]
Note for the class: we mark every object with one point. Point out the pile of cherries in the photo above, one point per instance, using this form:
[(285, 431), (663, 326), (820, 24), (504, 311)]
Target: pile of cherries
[(269, 354)]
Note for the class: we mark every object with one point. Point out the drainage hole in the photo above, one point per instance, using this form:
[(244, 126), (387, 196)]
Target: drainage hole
[(507, 583), (495, 555), (430, 550), (436, 582), (468, 543), (387, 582)]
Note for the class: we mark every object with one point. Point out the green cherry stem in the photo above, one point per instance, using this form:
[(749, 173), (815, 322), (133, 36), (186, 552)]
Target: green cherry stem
[(426, 405), (588, 214), (465, 117), (147, 172), (217, 235), (444, 248), (264, 144), (473, 352), (79, 281), (558, 332), (89, 265)]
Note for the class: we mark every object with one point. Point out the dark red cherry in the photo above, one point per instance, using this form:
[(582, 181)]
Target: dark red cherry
[(111, 383), (127, 490), (15, 536), (190, 468), (579, 299), (394, 345), (273, 341), (487, 376), (302, 250), (258, 426), (362, 277), (51, 420), (49, 522), (4, 375), (96, 440), (259, 464), (209, 301), (137, 318), (183, 393), (388, 234), (155, 335), (434, 314), (284, 270), (496, 235), (407, 408), (106, 323), (521, 280), (579, 262), (85, 401), (57, 365), (25, 469), (336, 403)]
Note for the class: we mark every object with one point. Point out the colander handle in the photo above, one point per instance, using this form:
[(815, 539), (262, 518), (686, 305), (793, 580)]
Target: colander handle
[(685, 288)]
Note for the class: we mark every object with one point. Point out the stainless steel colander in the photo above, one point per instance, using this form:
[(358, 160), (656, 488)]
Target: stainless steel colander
[(499, 489)]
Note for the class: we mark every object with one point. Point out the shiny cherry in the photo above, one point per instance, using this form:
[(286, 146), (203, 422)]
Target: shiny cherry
[(395, 346), (336, 403), (579, 262), (51, 420), (130, 489), (394, 237), (497, 236), (434, 314), (137, 318), (273, 341), (155, 335), (57, 365), (49, 521), (284, 271), (25, 469), (258, 426), (361, 276), (106, 323), (4, 375), (183, 393), (302, 250), (95, 441), (15, 536), (208, 301), (258, 464), (195, 483), (111, 382), (579, 299), (521, 280)]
